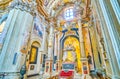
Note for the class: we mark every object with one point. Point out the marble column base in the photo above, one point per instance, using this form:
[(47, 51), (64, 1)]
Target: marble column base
[(85, 68), (58, 65), (116, 77), (48, 66), (11, 76)]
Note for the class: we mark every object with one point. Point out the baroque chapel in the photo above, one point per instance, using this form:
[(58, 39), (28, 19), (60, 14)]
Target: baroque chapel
[(59, 39)]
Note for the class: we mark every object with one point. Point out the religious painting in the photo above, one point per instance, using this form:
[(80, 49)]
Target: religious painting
[(33, 55), (38, 27), (32, 67), (38, 30)]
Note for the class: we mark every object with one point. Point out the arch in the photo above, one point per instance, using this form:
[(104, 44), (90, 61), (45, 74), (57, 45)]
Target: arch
[(35, 39), (34, 52), (74, 41), (33, 64), (36, 43), (62, 42), (62, 9)]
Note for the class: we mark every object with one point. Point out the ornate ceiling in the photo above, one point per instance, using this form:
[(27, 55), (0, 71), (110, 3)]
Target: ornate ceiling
[(54, 7), (46, 7), (4, 3)]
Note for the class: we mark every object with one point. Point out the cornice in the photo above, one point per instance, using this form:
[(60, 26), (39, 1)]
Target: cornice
[(24, 6), (40, 4), (4, 3), (41, 10)]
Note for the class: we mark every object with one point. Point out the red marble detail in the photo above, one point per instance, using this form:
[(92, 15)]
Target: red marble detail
[(67, 74)]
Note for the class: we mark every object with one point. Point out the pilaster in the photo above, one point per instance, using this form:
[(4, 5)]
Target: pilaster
[(55, 50), (108, 31), (113, 32), (50, 43), (44, 50), (49, 60), (82, 50), (20, 24)]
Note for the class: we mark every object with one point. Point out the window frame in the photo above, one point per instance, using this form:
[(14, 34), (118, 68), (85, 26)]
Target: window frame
[(69, 13)]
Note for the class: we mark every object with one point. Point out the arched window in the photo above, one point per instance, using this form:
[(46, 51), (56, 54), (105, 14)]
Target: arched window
[(68, 14)]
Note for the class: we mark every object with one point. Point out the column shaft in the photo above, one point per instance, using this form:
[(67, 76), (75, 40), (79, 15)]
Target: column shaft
[(83, 55), (82, 52), (50, 43)]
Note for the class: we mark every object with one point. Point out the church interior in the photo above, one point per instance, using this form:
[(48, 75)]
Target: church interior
[(59, 39)]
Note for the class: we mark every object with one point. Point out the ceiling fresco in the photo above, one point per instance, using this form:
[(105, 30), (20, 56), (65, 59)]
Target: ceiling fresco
[(45, 7)]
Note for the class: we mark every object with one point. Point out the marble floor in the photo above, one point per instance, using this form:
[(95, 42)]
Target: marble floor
[(75, 77)]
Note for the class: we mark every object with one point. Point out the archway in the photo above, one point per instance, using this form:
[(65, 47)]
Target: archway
[(74, 41), (34, 55)]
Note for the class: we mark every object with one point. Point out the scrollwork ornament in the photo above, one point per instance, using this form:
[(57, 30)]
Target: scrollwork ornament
[(24, 6)]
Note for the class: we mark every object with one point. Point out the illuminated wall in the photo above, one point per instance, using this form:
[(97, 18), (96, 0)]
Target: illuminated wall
[(74, 42)]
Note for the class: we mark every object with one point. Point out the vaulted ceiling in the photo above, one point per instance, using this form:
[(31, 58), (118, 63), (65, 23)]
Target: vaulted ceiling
[(45, 7), (55, 6), (4, 3)]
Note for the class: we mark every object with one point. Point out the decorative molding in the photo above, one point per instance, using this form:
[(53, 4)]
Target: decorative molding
[(25, 6), (4, 3), (40, 8)]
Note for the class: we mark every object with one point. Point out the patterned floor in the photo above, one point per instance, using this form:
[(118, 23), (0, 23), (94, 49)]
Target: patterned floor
[(76, 76), (56, 77)]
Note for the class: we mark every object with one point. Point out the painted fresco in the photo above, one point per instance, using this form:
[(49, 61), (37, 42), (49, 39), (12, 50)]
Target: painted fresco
[(38, 28)]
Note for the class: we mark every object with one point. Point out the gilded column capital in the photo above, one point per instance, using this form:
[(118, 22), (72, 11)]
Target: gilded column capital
[(52, 21), (79, 22), (51, 24), (24, 6)]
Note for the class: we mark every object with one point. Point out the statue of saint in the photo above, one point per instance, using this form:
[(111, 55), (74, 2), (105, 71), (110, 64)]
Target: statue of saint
[(65, 56), (69, 54), (89, 59)]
